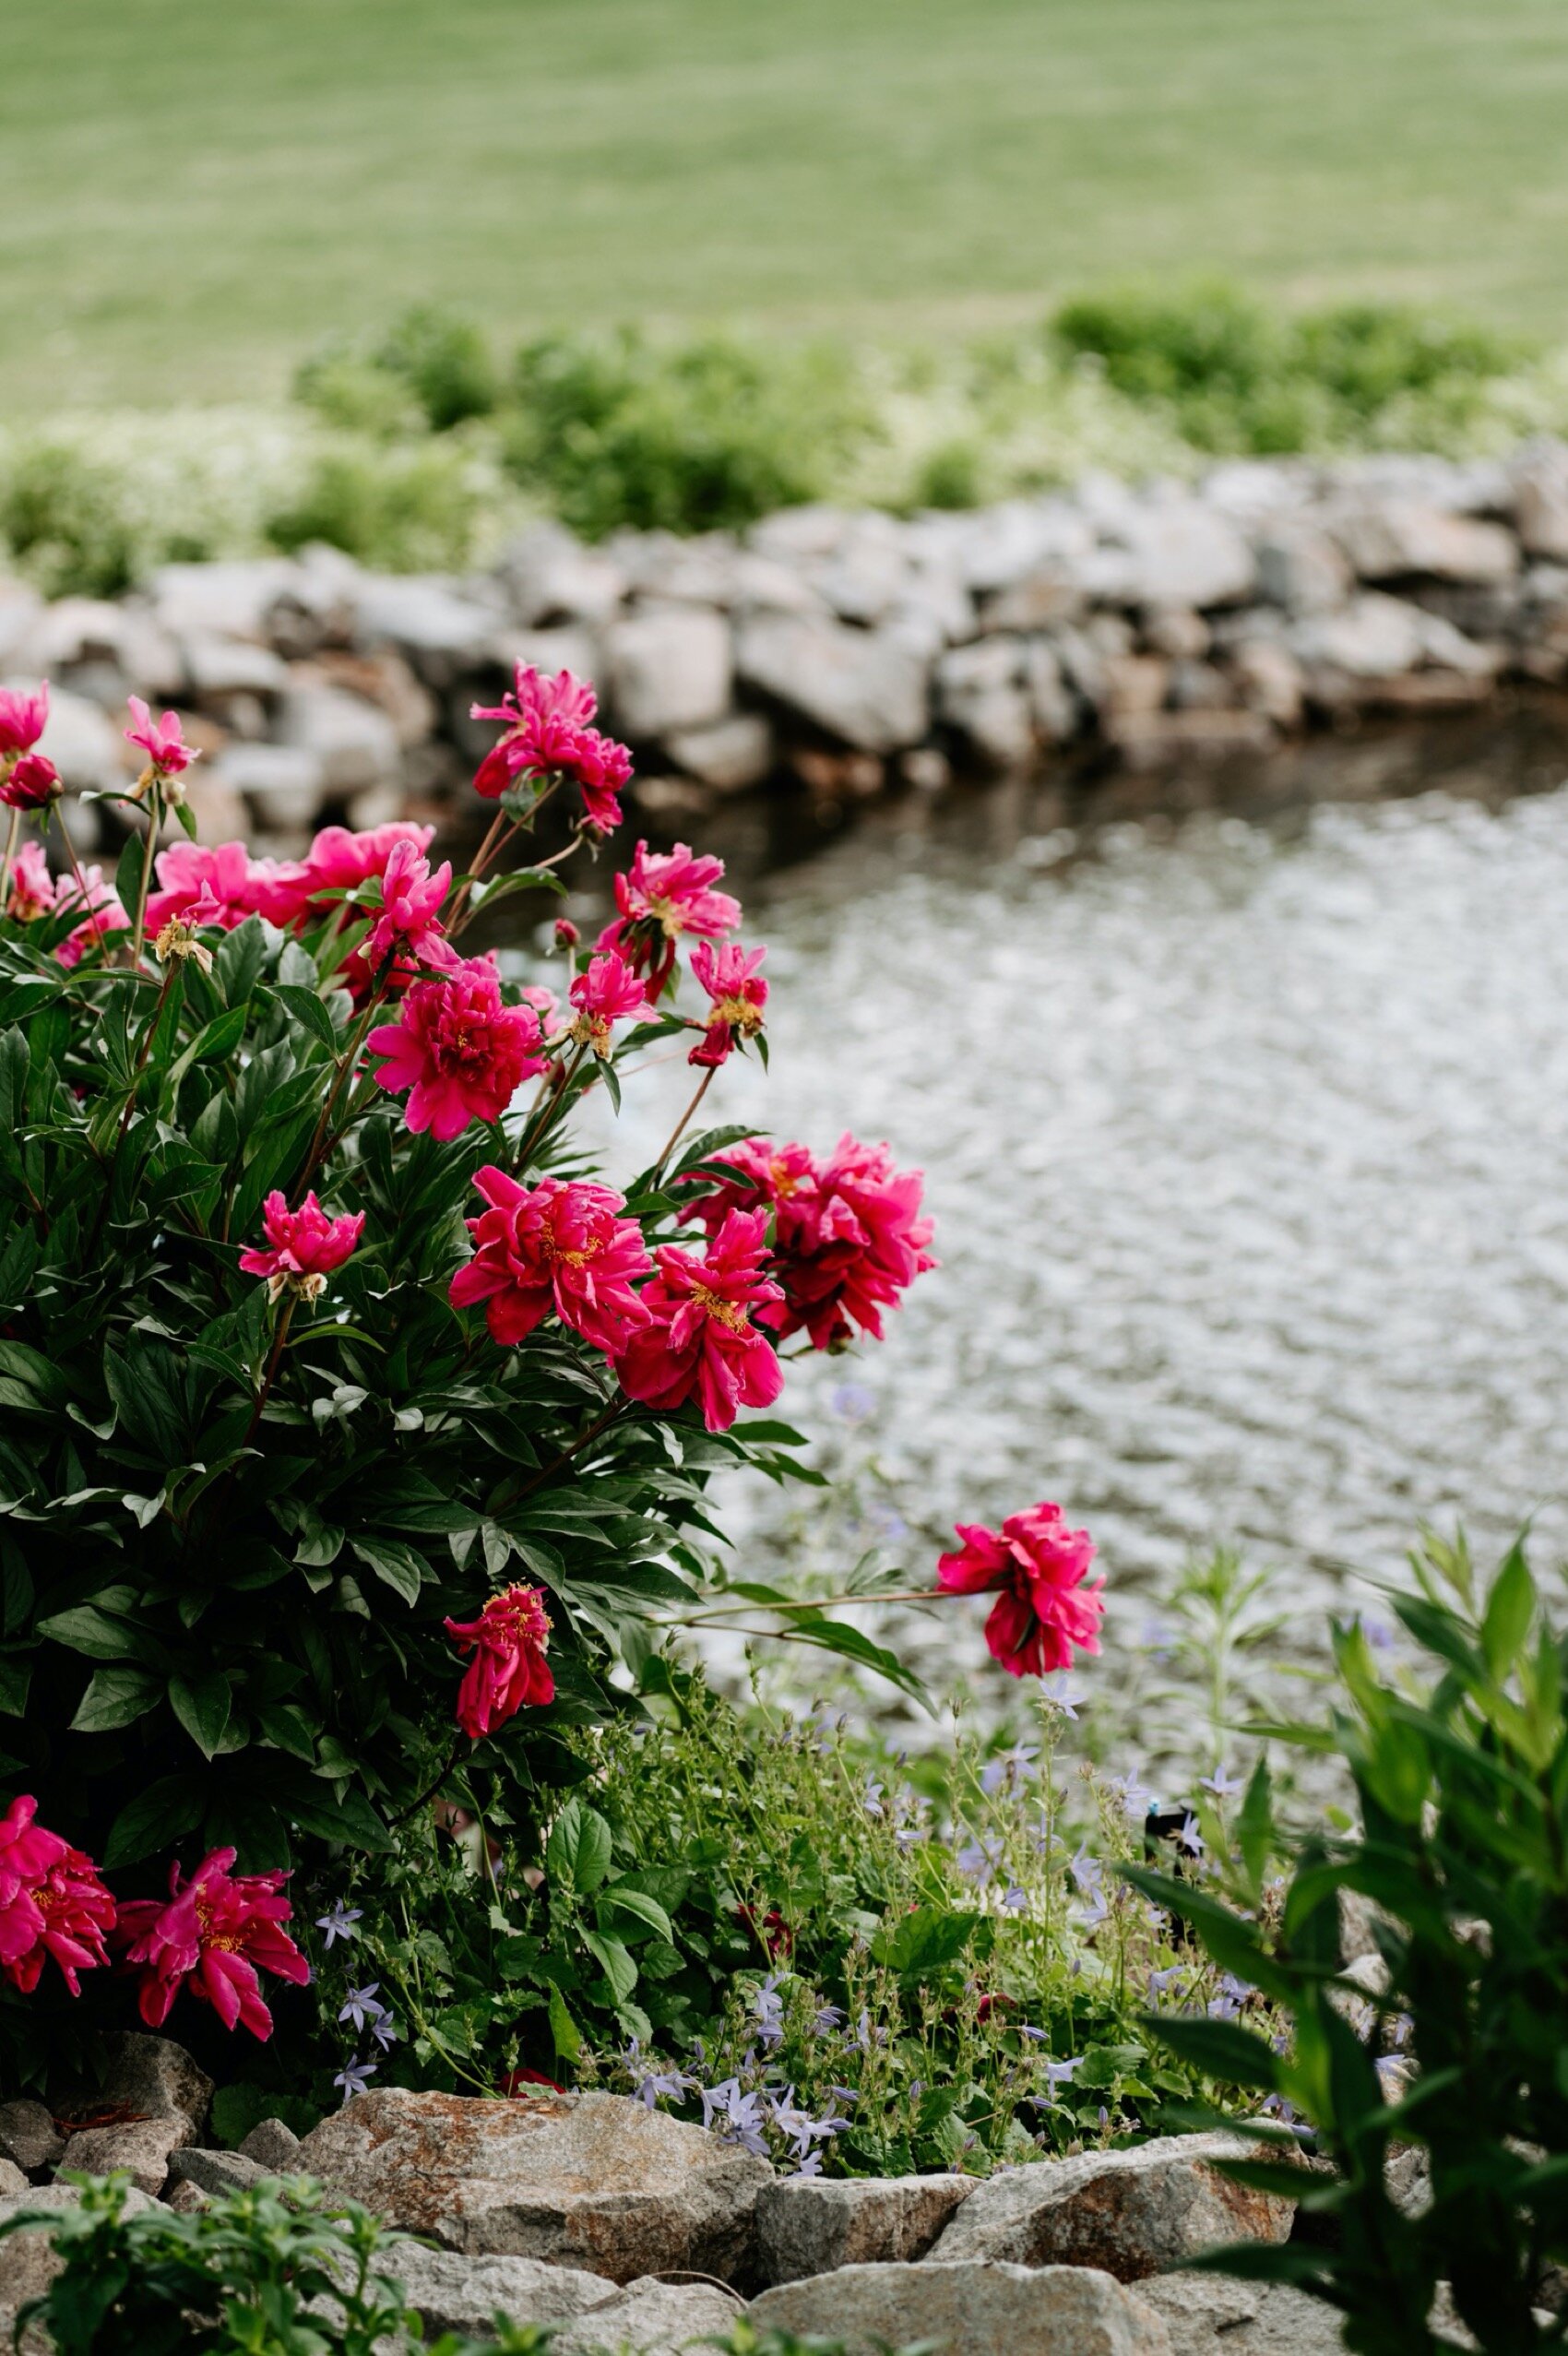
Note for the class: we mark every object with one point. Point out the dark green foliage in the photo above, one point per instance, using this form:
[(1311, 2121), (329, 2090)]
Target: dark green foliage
[(406, 509), (1237, 376), (1462, 1788), (616, 429), (61, 513), (446, 365)]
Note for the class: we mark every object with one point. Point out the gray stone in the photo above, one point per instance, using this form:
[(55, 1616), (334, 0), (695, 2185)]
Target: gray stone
[(1302, 567), (355, 744), (968, 2310), (229, 600), (1373, 637), (808, 2225), (793, 534), (653, 2318), (762, 585), (1177, 631), (29, 2137), (1051, 593), (141, 2146), (666, 668), (454, 2293), (20, 610), (273, 2147), (1132, 2212), (12, 2180), (85, 746), (154, 2075), (550, 577), (319, 608), (1450, 650), (214, 2172), (865, 686), (1209, 2314), (1052, 704), (1181, 554), (1269, 680), (285, 784), (729, 756), (1385, 539), (591, 2179), (1020, 539), (440, 632), (982, 692), (73, 630), (1540, 500), (217, 668), (28, 2262)]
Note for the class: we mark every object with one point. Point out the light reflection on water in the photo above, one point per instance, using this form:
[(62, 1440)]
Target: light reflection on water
[(1248, 1157)]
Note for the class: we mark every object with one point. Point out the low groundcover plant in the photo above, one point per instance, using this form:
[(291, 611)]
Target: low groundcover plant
[(357, 1438)]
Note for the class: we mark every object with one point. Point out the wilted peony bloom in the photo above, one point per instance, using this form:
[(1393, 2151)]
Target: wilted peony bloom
[(702, 1343), (461, 1052), (556, 1245), (303, 1246), (210, 1935), (168, 755), (51, 1902), (23, 717), (105, 915), (730, 976), (508, 1672), (607, 993), (32, 886), (848, 1242), (31, 784), (407, 925), (1044, 1609), (548, 734), (661, 896)]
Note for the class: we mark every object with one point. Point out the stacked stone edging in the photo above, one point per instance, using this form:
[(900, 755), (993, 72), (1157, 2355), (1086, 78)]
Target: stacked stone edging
[(847, 651)]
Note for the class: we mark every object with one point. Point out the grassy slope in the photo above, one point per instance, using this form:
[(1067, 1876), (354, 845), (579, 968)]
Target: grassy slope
[(196, 190)]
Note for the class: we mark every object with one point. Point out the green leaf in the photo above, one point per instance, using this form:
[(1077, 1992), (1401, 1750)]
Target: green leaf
[(202, 1705), (128, 871), (615, 1963), (642, 1908), (564, 2028), (116, 1696), (925, 1940), (579, 1849), (351, 1819), (402, 1570), (1510, 1608), (86, 1629), (307, 1007), (1221, 2049), (154, 1820)]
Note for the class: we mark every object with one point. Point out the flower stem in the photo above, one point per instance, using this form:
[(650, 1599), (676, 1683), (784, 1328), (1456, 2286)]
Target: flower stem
[(76, 862), (154, 821), (11, 834), (534, 1135), (677, 1132), (500, 825), (548, 1471)]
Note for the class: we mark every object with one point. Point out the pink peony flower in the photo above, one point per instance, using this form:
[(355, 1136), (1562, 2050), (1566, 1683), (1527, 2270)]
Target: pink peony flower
[(556, 1245), (51, 1902), (33, 886), (31, 784), (105, 914), (661, 896), (602, 995), (1044, 1609), (303, 1246), (340, 860), (209, 1936), (461, 1052), (566, 934), (548, 733), (408, 923), (22, 718), (702, 1343), (508, 1672), (848, 1240), (545, 1003), (221, 875), (739, 993), (166, 749)]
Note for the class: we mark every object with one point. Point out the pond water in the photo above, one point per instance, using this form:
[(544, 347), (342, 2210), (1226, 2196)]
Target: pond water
[(1247, 1143)]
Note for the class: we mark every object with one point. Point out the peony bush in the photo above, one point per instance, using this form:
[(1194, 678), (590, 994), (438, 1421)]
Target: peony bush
[(357, 1437)]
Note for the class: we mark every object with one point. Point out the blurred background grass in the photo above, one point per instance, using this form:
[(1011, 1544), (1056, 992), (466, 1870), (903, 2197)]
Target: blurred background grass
[(196, 192)]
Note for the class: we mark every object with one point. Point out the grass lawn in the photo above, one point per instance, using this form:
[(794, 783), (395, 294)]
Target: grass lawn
[(197, 191)]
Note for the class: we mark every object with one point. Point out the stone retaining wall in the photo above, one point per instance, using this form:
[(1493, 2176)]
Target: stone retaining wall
[(848, 652)]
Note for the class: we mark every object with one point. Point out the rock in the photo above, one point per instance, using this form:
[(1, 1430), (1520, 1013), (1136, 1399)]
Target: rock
[(1406, 2175), (1177, 631), (284, 784), (354, 743), (865, 686), (1051, 593), (155, 2076), (72, 631), (273, 2147), (550, 577), (1269, 680), (808, 2225), (28, 2262), (440, 632), (968, 2310), (1052, 704), (668, 667), (216, 807), (998, 547), (652, 2318), (838, 777), (454, 2293), (1385, 539), (12, 2180), (1130, 2212), (1540, 500), (214, 2172), (1426, 691), (141, 2146), (592, 2179), (925, 768), (1147, 741), (792, 534), (981, 692), (1181, 554), (217, 669), (729, 756), (1209, 2314), (319, 607), (20, 610), (1199, 687), (84, 744), (1302, 567), (29, 2137), (229, 601), (1132, 684), (384, 679), (1373, 637)]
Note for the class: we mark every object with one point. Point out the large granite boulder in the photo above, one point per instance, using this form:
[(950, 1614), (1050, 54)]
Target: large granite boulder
[(1212, 2315), (652, 2318), (808, 2225), (1132, 2213), (968, 2310), (871, 688), (585, 2180), (455, 2293)]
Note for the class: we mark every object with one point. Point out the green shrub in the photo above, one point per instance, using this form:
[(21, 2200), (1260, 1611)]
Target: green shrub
[(60, 514), (403, 509), (446, 365), (1460, 1776), (686, 437)]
